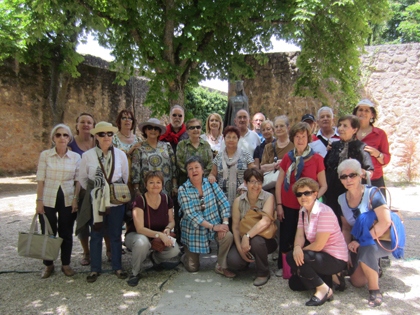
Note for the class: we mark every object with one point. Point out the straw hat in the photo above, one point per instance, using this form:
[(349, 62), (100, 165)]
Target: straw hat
[(103, 126)]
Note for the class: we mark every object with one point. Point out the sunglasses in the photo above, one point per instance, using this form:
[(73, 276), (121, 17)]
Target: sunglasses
[(306, 193), (177, 115), (194, 127), (64, 135), (153, 128), (126, 118), (103, 134), (351, 175), (202, 205)]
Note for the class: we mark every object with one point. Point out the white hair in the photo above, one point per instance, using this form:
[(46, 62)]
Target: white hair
[(325, 108), (56, 127), (350, 164)]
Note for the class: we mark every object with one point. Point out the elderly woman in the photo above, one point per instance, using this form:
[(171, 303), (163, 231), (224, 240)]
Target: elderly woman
[(302, 161), (100, 167), (193, 146), (375, 139), (347, 148), (360, 199), (267, 131), (153, 217), (229, 166), (213, 135), (205, 213), (251, 243), (319, 247), (56, 176), (154, 155)]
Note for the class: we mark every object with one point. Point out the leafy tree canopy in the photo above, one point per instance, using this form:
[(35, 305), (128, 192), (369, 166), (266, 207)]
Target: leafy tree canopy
[(201, 102), (178, 43)]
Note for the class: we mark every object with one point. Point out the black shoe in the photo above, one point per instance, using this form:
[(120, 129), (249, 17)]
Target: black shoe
[(92, 277), (133, 280), (375, 298), (314, 301), (121, 274), (341, 286)]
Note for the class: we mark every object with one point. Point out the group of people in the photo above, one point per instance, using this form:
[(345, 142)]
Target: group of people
[(203, 186)]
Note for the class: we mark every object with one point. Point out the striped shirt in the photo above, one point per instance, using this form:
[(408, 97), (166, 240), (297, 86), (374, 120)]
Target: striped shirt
[(323, 219), (193, 235), (56, 172)]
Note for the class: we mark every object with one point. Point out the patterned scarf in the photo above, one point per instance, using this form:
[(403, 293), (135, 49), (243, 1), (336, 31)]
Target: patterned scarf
[(231, 167), (296, 161), (172, 137)]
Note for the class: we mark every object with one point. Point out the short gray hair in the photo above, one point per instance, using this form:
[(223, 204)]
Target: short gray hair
[(177, 106), (325, 108), (283, 117), (350, 164), (56, 127)]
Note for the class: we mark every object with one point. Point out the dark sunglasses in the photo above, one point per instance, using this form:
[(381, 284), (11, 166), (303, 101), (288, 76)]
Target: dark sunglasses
[(202, 205), (126, 118), (152, 128), (194, 127), (306, 193), (103, 134), (64, 135), (177, 115), (351, 175)]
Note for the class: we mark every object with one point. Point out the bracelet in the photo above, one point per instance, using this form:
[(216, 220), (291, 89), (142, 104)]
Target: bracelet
[(39, 199), (226, 222), (280, 204)]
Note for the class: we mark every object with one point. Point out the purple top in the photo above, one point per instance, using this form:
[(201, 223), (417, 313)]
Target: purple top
[(75, 148)]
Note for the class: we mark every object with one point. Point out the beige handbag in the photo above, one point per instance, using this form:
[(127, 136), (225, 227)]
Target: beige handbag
[(252, 217), (119, 193), (40, 246)]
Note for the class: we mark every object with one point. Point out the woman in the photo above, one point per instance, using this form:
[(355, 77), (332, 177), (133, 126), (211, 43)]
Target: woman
[(267, 130), (154, 155), (153, 217), (213, 135), (56, 198), (229, 166), (302, 161), (375, 139), (251, 242), (348, 147), (193, 146), (319, 246), (82, 142), (359, 199), (100, 167), (270, 159), (205, 210)]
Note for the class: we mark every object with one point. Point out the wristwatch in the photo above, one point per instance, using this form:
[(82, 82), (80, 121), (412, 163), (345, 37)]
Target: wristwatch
[(247, 235), (380, 155), (156, 235)]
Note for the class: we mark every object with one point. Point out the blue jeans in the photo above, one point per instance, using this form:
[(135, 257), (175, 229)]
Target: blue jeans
[(112, 223)]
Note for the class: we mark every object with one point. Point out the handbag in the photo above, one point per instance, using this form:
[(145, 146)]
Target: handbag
[(252, 217), (40, 246), (270, 178)]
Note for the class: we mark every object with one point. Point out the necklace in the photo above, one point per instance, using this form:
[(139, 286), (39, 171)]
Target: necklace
[(283, 144), (128, 137), (365, 133)]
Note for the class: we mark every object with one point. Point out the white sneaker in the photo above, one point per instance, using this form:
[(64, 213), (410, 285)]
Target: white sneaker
[(279, 273)]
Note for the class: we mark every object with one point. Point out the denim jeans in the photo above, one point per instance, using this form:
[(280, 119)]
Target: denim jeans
[(112, 224)]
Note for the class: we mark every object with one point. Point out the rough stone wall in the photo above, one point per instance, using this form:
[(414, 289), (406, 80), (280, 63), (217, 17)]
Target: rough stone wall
[(28, 116), (390, 77)]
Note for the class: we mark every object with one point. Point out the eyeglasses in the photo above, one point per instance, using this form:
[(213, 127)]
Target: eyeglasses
[(103, 134), (351, 175), (202, 205), (194, 127), (126, 118), (153, 128), (177, 115), (306, 193), (64, 135), (255, 183)]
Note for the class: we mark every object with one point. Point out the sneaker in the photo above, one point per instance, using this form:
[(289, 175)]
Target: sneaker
[(279, 273), (133, 280), (224, 272)]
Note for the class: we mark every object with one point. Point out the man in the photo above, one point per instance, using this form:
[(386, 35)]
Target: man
[(310, 120), (256, 122), (176, 130), (249, 139), (327, 133)]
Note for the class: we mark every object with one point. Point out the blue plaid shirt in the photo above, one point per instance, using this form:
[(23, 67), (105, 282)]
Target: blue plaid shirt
[(193, 235)]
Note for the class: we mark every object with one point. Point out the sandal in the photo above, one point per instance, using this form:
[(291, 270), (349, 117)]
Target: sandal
[(121, 274), (92, 277), (85, 260), (375, 298), (341, 285)]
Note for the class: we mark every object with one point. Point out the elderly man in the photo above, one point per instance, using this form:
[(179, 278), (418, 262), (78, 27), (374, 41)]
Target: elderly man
[(327, 133), (256, 122), (176, 130), (249, 139)]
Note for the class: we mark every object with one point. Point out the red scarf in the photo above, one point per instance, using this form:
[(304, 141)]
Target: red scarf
[(172, 137)]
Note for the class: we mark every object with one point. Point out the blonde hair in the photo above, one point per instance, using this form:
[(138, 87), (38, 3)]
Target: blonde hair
[(219, 119)]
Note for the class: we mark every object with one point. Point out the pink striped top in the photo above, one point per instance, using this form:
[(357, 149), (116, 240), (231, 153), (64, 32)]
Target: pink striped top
[(323, 219)]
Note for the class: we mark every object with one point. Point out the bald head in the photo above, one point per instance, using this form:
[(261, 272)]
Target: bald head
[(257, 121)]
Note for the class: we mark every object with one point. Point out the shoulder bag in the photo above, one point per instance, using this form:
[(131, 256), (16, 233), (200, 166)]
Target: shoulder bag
[(40, 246), (252, 217)]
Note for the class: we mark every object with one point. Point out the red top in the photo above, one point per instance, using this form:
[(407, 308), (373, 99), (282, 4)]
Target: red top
[(311, 168), (378, 140)]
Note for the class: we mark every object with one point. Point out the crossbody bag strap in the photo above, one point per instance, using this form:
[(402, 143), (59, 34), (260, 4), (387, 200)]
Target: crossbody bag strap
[(108, 179), (274, 150)]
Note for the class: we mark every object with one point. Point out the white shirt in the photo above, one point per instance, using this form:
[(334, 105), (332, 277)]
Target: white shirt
[(249, 142), (319, 147)]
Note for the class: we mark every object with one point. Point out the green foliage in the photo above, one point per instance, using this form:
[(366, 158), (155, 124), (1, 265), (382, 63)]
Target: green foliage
[(201, 102)]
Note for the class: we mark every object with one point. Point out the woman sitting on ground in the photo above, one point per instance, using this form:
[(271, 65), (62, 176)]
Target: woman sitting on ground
[(251, 242), (319, 248), (153, 217)]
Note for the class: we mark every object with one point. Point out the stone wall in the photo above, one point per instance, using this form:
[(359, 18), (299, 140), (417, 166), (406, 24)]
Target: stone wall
[(390, 78), (28, 115)]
